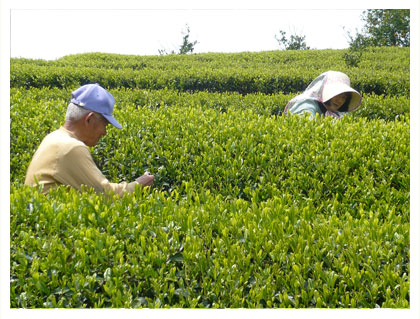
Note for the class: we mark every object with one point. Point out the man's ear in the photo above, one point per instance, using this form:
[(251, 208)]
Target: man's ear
[(89, 116)]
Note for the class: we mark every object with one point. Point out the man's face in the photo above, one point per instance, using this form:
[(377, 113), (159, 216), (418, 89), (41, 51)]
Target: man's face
[(96, 129)]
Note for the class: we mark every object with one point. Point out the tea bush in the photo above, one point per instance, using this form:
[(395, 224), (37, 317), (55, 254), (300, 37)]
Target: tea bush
[(29, 107), (149, 249), (249, 209), (266, 72)]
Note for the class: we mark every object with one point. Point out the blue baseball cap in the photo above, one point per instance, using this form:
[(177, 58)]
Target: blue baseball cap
[(95, 98)]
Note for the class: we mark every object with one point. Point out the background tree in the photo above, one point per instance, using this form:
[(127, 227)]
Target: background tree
[(383, 27), (295, 42), (186, 47)]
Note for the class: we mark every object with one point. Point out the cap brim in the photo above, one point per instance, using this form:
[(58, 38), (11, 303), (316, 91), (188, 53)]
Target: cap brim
[(112, 121)]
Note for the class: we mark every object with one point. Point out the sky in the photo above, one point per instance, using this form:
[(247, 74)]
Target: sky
[(50, 29), (50, 34)]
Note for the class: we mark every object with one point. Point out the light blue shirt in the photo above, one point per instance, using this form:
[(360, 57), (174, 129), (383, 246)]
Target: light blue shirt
[(311, 107), (305, 107)]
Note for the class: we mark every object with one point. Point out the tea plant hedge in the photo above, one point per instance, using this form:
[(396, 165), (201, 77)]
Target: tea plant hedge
[(383, 71), (250, 208)]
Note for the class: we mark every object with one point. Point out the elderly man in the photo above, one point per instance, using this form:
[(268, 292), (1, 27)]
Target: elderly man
[(63, 157)]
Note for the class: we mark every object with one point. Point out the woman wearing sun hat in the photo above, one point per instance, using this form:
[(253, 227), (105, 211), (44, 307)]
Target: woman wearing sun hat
[(330, 94)]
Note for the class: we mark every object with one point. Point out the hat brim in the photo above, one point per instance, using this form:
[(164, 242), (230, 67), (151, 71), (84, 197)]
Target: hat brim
[(335, 89), (356, 100), (112, 121)]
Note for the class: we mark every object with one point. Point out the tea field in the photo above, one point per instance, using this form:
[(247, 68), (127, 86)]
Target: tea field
[(250, 208)]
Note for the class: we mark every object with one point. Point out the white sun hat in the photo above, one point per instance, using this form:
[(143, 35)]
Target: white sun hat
[(337, 83)]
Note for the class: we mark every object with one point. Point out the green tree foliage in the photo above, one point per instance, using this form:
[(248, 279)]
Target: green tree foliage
[(383, 27), (186, 47), (295, 41)]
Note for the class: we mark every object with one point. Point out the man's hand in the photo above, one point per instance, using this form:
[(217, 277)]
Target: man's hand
[(146, 179)]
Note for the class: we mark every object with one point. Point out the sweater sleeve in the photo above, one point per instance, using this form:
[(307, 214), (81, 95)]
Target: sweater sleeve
[(76, 168), (306, 107)]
